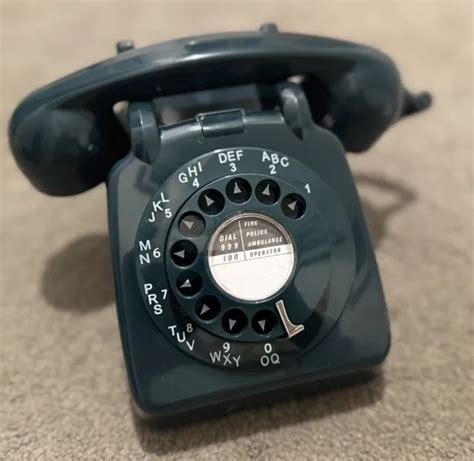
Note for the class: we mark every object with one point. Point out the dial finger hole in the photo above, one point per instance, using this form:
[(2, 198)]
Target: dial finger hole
[(234, 321), (189, 283), (211, 202), (191, 225), (293, 206), (267, 192), (208, 308), (238, 190), (183, 253), (264, 322)]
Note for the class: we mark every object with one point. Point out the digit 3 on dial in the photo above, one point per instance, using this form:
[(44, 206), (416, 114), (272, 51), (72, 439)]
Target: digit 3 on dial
[(247, 259)]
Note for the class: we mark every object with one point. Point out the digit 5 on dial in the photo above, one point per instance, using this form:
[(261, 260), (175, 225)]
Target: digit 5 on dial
[(243, 266)]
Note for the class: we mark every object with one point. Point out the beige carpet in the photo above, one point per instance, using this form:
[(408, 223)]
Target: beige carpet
[(63, 389)]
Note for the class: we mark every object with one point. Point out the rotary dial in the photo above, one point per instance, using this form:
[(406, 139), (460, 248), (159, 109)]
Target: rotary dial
[(238, 261)]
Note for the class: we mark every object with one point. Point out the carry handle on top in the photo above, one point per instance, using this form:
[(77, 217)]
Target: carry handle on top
[(65, 136)]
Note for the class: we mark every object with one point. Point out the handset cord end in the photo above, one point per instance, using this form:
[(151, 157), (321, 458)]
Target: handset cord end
[(415, 103)]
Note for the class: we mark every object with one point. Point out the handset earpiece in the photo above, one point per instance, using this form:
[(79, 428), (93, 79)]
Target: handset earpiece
[(65, 137), (65, 151)]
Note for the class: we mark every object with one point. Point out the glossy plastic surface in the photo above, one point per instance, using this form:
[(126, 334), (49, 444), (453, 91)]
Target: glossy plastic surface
[(65, 136), (167, 382)]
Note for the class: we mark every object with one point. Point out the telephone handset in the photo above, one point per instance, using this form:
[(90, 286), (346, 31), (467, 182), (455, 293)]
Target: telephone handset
[(242, 262)]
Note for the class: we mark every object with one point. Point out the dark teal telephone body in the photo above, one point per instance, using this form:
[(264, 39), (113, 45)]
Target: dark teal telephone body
[(243, 266)]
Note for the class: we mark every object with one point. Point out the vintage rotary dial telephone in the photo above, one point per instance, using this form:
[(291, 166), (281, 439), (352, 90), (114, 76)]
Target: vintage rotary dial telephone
[(243, 267)]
